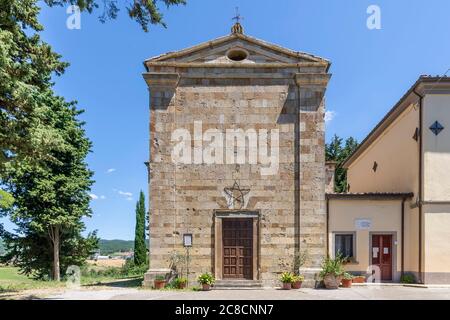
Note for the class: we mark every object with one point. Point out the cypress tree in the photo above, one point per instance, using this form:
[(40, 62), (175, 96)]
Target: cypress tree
[(140, 249)]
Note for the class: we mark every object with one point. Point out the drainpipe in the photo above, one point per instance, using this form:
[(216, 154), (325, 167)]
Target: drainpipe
[(403, 238), (420, 181), (328, 226)]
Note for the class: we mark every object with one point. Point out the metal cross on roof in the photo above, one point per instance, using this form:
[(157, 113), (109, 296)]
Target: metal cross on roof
[(237, 17)]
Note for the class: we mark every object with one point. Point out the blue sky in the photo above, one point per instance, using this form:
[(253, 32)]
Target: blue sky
[(371, 70)]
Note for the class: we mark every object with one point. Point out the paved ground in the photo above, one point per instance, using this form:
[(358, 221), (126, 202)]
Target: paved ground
[(355, 293)]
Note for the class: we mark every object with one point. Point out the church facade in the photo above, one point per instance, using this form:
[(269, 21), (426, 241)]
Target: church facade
[(237, 172)]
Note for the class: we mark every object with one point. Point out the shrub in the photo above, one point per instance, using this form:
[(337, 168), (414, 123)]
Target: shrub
[(408, 278), (131, 269), (332, 266), (177, 283), (347, 276), (287, 277), (206, 278), (298, 278)]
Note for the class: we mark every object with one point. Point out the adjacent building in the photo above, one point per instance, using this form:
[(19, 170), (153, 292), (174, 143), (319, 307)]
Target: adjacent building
[(396, 215)]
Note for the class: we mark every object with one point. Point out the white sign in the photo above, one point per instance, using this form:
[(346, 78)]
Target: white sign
[(375, 252), (363, 224)]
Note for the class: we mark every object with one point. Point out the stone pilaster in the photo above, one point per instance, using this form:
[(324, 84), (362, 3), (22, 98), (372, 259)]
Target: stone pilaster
[(312, 224)]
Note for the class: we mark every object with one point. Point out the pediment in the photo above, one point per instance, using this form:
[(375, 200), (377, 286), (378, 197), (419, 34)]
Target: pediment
[(221, 51)]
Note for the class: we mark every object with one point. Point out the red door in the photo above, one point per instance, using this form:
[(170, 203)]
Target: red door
[(237, 239), (382, 255)]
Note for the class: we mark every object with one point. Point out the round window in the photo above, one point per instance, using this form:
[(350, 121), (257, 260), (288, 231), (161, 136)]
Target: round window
[(237, 54)]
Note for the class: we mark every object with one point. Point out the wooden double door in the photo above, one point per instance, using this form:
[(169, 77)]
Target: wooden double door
[(237, 237), (382, 255)]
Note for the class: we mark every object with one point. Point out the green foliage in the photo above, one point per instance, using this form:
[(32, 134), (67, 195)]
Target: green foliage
[(206, 278), (299, 260), (177, 283), (144, 12), (160, 278), (32, 252), (408, 278), (287, 277), (332, 266), (298, 278), (51, 199), (347, 276), (6, 200), (132, 269), (140, 249), (339, 152), (27, 65)]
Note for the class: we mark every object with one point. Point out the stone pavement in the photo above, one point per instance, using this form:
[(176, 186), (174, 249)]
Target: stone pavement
[(355, 293)]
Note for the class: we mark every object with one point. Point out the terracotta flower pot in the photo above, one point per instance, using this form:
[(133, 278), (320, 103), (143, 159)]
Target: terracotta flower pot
[(346, 283), (182, 285), (287, 286), (297, 285), (331, 281), (359, 279), (160, 284), (206, 287)]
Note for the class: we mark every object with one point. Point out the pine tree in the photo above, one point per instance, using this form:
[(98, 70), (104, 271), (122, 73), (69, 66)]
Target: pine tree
[(336, 152), (50, 199), (144, 12), (140, 249), (26, 68)]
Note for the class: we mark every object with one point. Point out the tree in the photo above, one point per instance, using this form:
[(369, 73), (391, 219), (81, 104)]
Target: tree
[(140, 249), (144, 12), (26, 67), (337, 152), (50, 200), (6, 200)]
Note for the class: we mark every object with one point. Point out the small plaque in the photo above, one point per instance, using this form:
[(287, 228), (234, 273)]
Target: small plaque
[(187, 239), (363, 224)]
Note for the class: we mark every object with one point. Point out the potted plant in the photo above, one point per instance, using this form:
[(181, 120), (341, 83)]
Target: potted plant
[(332, 271), (297, 281), (160, 282), (347, 280), (287, 279), (359, 279), (206, 280), (180, 283)]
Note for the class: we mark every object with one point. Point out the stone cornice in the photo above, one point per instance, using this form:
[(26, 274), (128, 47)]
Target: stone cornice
[(236, 65), (312, 79), (161, 79)]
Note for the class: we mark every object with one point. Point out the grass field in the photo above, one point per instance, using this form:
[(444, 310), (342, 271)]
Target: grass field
[(12, 281)]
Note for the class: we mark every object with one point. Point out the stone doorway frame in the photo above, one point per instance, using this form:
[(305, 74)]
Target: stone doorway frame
[(218, 216)]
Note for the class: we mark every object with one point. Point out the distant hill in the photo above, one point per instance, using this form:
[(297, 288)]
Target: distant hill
[(110, 246)]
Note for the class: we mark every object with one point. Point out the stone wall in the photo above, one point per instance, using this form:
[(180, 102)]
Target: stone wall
[(184, 197)]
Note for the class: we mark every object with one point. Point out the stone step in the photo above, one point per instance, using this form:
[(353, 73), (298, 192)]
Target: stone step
[(237, 284)]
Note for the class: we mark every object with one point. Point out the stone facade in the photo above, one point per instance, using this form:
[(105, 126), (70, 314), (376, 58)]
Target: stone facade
[(272, 90)]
